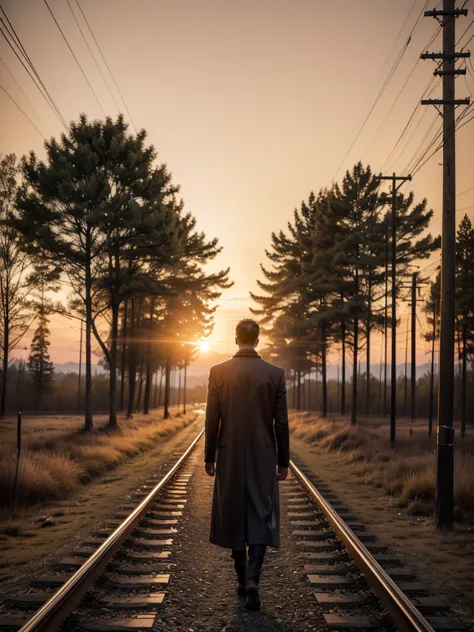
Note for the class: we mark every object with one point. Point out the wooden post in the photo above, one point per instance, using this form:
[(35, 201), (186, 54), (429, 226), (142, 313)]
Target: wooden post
[(445, 439), (18, 454), (413, 348)]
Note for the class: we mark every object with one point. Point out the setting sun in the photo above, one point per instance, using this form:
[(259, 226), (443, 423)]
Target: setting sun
[(203, 346)]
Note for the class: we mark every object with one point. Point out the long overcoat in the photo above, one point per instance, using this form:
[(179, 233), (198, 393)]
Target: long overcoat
[(247, 436)]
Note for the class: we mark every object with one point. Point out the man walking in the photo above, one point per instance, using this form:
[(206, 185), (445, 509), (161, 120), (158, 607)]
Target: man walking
[(246, 413)]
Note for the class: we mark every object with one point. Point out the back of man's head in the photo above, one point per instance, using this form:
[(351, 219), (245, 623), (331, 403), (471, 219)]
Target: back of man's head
[(247, 332)]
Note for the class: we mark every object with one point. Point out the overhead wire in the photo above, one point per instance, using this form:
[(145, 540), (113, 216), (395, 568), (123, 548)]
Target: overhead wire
[(29, 67), (465, 31), (433, 84), (75, 58), (414, 160), (22, 111), (457, 126), (383, 88), (107, 66), (419, 104), (92, 55), (22, 91), (417, 107)]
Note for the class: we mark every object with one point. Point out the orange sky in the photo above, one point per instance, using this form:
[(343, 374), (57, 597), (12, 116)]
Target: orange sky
[(251, 104)]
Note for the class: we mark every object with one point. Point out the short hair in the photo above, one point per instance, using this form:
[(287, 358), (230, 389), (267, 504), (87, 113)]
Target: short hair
[(247, 331)]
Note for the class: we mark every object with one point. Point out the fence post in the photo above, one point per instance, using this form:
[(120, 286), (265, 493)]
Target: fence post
[(18, 453)]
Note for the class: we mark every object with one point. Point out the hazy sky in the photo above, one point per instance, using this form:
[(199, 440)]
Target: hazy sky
[(252, 105)]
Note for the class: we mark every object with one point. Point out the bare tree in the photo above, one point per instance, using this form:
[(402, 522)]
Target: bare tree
[(15, 313)]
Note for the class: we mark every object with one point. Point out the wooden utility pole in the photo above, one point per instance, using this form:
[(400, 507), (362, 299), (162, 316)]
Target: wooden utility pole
[(415, 289), (445, 439), (385, 337), (413, 347), (393, 380), (79, 376), (431, 409), (166, 412), (405, 390)]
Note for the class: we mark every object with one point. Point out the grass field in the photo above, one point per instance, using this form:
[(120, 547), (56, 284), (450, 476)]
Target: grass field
[(406, 472), (58, 456)]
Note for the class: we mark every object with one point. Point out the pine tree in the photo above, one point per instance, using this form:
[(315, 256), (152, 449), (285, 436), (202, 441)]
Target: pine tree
[(40, 366), (15, 313), (357, 253), (465, 305), (288, 304), (100, 206), (432, 310)]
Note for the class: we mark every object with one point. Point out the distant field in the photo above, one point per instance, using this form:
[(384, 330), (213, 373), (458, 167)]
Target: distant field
[(407, 472), (57, 456)]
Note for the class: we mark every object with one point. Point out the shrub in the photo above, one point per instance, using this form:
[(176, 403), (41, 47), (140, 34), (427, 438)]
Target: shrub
[(55, 463)]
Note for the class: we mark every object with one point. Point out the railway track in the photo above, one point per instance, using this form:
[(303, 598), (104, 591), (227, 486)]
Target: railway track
[(122, 579)]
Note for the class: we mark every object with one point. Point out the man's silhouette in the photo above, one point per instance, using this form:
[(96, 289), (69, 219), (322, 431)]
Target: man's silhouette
[(246, 420)]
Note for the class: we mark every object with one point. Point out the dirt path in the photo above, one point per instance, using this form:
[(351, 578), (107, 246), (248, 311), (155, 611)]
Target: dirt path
[(442, 561), (202, 594), (23, 557)]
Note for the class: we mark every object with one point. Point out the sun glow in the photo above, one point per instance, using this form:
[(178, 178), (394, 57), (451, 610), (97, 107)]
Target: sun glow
[(203, 346)]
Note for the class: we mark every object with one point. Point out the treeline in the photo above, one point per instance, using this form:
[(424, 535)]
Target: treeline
[(101, 217), (66, 392), (426, 406), (327, 287)]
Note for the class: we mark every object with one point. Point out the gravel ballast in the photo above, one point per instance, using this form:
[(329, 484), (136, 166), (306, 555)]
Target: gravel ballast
[(201, 594)]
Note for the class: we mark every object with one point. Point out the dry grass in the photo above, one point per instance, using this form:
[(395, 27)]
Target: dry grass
[(58, 457), (406, 472)]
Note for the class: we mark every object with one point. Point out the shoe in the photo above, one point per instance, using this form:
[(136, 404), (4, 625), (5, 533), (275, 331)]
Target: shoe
[(253, 600), (241, 589)]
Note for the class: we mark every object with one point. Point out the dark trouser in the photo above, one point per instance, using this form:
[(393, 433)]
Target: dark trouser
[(250, 569)]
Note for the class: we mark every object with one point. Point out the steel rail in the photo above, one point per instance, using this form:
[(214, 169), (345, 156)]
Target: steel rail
[(406, 616), (53, 613)]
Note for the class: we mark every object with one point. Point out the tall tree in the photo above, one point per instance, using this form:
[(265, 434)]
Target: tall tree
[(15, 313), (287, 306), (40, 366), (100, 206), (357, 252), (465, 305), (433, 312)]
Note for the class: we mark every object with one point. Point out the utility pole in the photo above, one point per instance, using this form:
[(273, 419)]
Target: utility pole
[(413, 347), (415, 287), (445, 438), (79, 376), (393, 384), (405, 392), (385, 337), (430, 415)]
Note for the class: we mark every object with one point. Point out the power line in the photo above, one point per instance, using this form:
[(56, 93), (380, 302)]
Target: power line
[(395, 101), (464, 208), (415, 159), (411, 122), (22, 91), (466, 122), (466, 191), (466, 30), (107, 66), (426, 92), (75, 58), (383, 88), (455, 128), (92, 55), (22, 111), (28, 65), (13, 34)]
